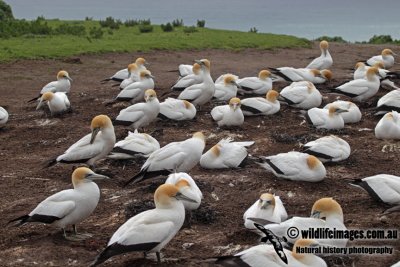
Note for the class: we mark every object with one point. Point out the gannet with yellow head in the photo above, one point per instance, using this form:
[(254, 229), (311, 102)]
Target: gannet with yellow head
[(386, 57), (193, 78), (228, 115), (290, 74), (324, 61), (63, 84), (353, 114), (177, 109), (57, 102), (123, 74), (227, 89), (329, 119), (256, 106), (134, 92), (301, 95), (389, 126), (256, 85)]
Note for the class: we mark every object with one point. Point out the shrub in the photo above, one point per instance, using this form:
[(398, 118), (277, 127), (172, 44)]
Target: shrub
[(253, 30), (110, 23), (381, 39), (131, 22), (5, 11), (144, 22), (201, 23), (88, 18), (167, 27), (78, 30), (336, 39), (96, 33), (177, 23), (190, 29), (143, 28)]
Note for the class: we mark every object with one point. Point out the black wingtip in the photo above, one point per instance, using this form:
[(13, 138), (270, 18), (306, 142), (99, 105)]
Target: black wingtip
[(136, 179), (33, 99), (49, 163), (22, 220)]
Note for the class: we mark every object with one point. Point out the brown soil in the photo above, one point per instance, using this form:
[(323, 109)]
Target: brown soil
[(31, 137)]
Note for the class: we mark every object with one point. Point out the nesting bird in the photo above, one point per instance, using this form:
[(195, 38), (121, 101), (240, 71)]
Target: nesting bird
[(68, 207), (134, 92), (133, 76), (227, 89), (57, 102), (324, 61), (328, 149), (228, 115), (151, 230), (92, 147), (225, 154), (386, 57), (3, 117), (295, 166), (185, 69), (123, 74), (254, 106), (389, 126), (388, 102), (353, 114), (301, 95), (256, 85), (176, 109), (63, 84), (290, 74), (193, 78), (329, 119), (141, 114)]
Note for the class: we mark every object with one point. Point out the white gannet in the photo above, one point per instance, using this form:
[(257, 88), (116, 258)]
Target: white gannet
[(388, 102), (225, 154), (328, 119), (91, 147), (267, 209), (174, 157), (326, 208), (227, 89), (141, 114), (389, 126), (134, 92), (324, 61), (190, 79), (63, 84), (290, 74), (132, 76), (265, 255), (328, 148), (228, 115), (295, 166), (185, 69), (353, 114), (151, 230), (396, 264), (221, 78), (386, 57), (123, 74), (256, 85), (176, 109), (301, 95), (68, 207), (199, 94), (254, 106), (3, 117), (188, 187), (135, 144), (57, 102)]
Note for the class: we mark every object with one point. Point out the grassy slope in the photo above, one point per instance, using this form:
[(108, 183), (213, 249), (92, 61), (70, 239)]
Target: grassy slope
[(128, 39)]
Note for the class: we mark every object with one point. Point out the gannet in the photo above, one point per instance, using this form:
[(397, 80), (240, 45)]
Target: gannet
[(386, 57), (185, 69), (256, 85), (396, 264), (3, 117), (133, 76), (92, 147), (328, 148), (174, 157), (221, 78), (389, 126), (199, 94), (326, 208), (228, 115), (151, 230), (302, 74), (135, 144), (324, 61), (123, 74), (301, 95), (57, 102), (388, 102), (295, 166), (176, 109), (188, 187), (63, 84), (255, 106), (135, 91), (265, 255), (141, 114), (227, 89), (190, 79), (68, 207), (225, 154), (267, 209), (353, 114), (328, 119)]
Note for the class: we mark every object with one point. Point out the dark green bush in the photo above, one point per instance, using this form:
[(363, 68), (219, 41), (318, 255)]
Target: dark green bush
[(96, 33), (381, 39), (131, 23), (111, 23), (167, 27), (201, 23), (177, 23), (253, 30), (5, 11), (78, 30), (335, 39), (144, 22), (190, 29), (143, 28)]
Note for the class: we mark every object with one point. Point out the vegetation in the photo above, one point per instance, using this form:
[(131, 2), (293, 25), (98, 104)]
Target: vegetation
[(201, 23), (167, 27), (336, 39), (177, 23), (5, 11), (382, 39), (253, 30)]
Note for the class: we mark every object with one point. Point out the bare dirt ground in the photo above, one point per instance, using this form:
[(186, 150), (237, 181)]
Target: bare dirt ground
[(31, 137)]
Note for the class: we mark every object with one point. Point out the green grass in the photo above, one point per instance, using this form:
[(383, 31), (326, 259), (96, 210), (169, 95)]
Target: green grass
[(129, 39)]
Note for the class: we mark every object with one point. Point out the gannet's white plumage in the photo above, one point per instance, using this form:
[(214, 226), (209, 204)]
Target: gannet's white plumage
[(328, 148), (264, 255), (3, 117), (361, 71), (151, 230), (324, 61), (63, 84), (174, 157), (141, 114), (389, 126), (91, 147), (193, 78), (353, 114), (361, 89), (68, 207), (228, 115), (302, 95), (302, 74), (188, 187), (267, 208), (226, 89), (295, 166), (388, 102), (221, 78), (199, 94), (225, 154), (326, 208), (135, 144), (134, 92), (57, 102), (185, 69), (396, 264), (386, 57), (254, 106), (123, 74), (133, 76), (326, 118), (177, 109), (256, 85)]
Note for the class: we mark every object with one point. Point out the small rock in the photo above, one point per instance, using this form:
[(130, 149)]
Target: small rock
[(187, 245)]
